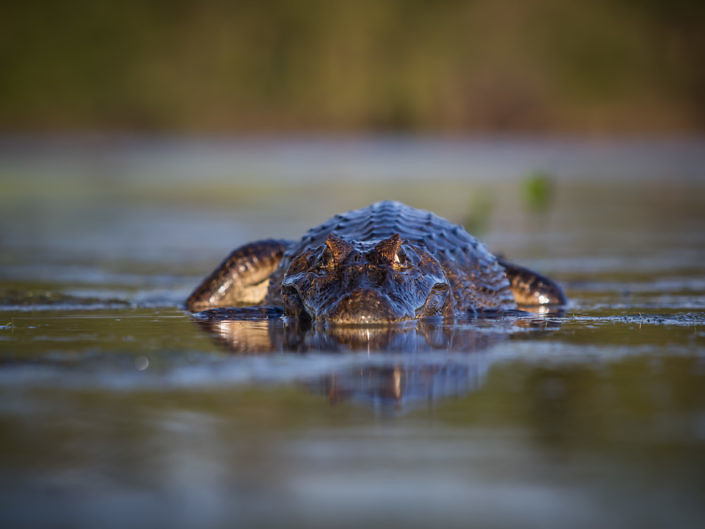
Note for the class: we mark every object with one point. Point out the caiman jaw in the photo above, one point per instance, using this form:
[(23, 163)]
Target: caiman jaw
[(364, 306)]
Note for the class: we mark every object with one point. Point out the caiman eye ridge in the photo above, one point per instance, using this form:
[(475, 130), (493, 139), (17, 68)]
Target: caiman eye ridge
[(384, 263)]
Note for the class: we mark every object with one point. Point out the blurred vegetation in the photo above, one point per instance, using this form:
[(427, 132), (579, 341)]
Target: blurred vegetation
[(492, 65), (478, 215), (537, 191)]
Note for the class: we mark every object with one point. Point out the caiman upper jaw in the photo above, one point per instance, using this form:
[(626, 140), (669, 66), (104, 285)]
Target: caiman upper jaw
[(364, 306)]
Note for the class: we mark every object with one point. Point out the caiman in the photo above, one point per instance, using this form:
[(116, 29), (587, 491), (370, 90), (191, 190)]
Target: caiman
[(384, 263)]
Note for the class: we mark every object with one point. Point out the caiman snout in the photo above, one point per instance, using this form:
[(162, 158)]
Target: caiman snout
[(364, 306)]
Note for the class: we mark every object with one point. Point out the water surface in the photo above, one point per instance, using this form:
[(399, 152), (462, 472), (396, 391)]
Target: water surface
[(117, 407)]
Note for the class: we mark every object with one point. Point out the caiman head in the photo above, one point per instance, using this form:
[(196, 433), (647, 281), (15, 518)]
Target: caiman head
[(343, 282)]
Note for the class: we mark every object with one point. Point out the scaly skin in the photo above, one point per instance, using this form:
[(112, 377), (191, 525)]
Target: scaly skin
[(387, 262), (241, 279)]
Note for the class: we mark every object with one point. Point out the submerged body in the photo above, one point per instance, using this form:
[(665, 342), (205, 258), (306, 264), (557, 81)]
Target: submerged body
[(384, 263)]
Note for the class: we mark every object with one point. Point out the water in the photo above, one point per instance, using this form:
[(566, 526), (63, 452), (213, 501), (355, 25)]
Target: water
[(117, 407)]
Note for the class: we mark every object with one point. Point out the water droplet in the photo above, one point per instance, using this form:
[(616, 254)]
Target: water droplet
[(141, 363)]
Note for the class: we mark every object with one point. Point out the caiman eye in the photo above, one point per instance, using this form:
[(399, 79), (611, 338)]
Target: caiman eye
[(335, 251), (401, 261), (327, 259)]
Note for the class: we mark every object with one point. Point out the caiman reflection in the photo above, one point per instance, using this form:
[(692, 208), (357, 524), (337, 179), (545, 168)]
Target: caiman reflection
[(405, 364)]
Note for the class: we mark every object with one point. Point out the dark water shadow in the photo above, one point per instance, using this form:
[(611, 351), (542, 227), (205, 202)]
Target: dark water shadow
[(395, 367)]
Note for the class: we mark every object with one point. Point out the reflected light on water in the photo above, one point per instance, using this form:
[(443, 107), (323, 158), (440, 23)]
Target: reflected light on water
[(406, 365)]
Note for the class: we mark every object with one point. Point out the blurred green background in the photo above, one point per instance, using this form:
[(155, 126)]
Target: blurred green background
[(587, 67)]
